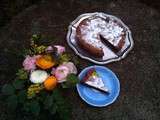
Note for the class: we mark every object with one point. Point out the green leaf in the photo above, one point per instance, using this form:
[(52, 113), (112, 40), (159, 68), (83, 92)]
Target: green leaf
[(36, 37), (24, 52), (76, 60), (50, 105), (42, 95), (53, 109), (19, 84), (32, 107), (64, 58), (26, 107), (40, 39), (72, 80), (40, 49), (35, 108), (64, 85), (12, 102), (63, 108), (48, 102), (22, 96), (8, 89), (22, 74)]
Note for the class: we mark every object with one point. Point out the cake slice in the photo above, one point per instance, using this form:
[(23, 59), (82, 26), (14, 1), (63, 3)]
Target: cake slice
[(92, 79)]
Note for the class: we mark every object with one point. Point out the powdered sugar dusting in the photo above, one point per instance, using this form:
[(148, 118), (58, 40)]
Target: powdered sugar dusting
[(113, 33), (90, 32), (96, 26)]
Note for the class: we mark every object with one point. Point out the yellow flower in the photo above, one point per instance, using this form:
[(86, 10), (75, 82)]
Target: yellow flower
[(33, 90), (40, 49)]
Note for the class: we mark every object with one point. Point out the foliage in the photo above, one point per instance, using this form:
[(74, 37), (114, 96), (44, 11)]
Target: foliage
[(16, 95), (31, 99), (72, 80), (64, 58), (22, 74), (63, 107)]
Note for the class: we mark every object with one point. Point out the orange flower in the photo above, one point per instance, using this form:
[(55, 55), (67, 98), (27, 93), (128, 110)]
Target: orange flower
[(50, 83), (45, 62)]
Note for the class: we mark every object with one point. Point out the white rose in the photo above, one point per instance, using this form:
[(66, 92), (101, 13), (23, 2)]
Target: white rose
[(38, 76)]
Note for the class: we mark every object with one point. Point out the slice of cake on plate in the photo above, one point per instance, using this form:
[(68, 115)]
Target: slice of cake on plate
[(92, 79)]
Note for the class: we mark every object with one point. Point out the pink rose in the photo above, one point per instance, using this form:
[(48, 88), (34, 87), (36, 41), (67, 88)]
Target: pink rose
[(64, 70), (29, 62), (60, 49), (61, 73), (71, 66)]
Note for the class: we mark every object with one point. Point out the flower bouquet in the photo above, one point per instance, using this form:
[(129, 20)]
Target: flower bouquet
[(38, 84)]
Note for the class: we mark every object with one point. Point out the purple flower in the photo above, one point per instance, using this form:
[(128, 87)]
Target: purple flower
[(53, 71), (29, 63), (49, 49), (60, 49)]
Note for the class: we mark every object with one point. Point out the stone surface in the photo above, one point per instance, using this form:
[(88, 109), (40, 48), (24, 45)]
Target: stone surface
[(138, 73)]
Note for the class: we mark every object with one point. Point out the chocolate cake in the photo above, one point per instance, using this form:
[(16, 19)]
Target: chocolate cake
[(93, 34)]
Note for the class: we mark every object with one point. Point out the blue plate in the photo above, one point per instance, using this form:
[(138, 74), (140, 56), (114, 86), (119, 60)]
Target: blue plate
[(97, 98)]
